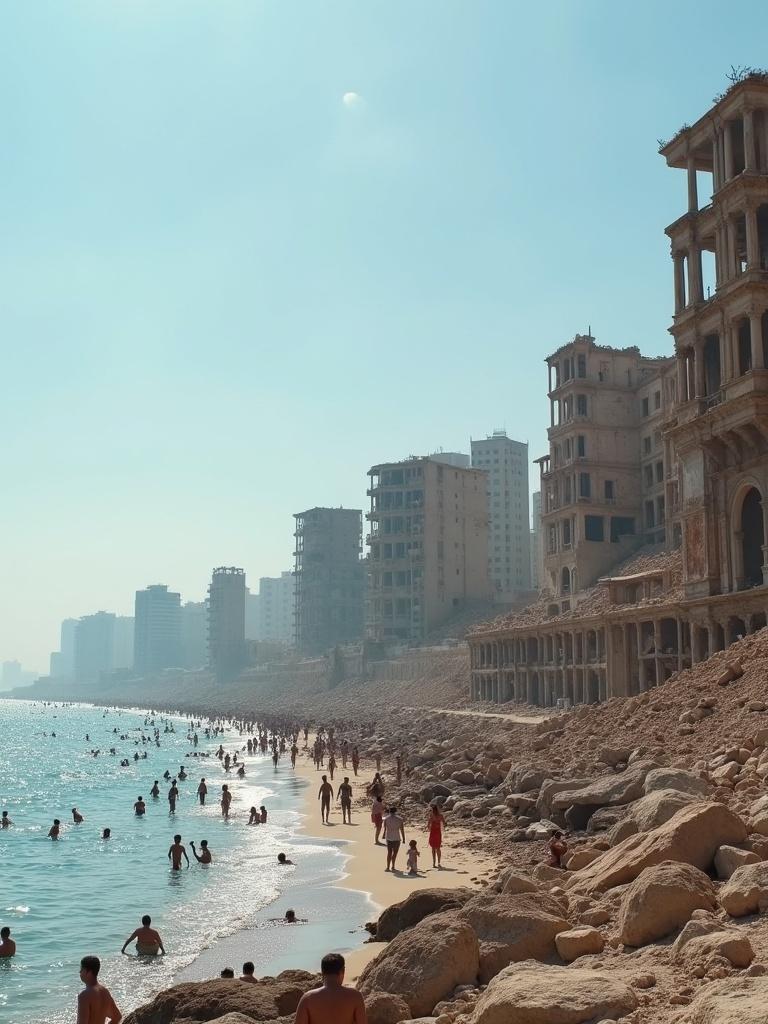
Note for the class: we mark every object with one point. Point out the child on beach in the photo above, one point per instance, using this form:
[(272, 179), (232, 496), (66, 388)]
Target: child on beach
[(413, 858)]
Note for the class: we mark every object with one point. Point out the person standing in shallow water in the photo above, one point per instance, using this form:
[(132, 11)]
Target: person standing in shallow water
[(7, 945), (95, 1004), (175, 853), (202, 791), (226, 800), (335, 1002)]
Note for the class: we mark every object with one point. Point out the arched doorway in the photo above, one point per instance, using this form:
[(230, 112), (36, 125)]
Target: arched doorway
[(752, 538)]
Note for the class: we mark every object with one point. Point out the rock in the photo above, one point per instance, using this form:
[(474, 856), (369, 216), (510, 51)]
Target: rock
[(268, 999), (692, 836), (578, 942), (416, 907), (605, 818), (425, 963), (729, 858), (622, 830), (464, 777), (614, 755), (735, 1001), (233, 1018), (658, 806), (662, 899), (757, 705), (580, 858), (511, 882), (551, 788), (608, 790), (759, 824), (533, 993), (513, 928), (386, 1008), (678, 779), (699, 941), (746, 891), (545, 873)]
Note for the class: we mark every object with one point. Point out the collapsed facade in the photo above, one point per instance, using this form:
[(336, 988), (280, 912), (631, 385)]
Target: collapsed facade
[(653, 527)]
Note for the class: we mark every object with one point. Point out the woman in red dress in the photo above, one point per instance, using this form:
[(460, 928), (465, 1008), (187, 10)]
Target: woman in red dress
[(435, 826)]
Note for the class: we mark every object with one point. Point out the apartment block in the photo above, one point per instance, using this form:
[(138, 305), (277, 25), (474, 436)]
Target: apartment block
[(157, 630), (194, 635), (329, 578), (427, 546), (509, 527), (536, 546), (226, 623)]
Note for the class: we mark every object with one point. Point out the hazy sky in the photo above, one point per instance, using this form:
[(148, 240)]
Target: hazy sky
[(250, 247)]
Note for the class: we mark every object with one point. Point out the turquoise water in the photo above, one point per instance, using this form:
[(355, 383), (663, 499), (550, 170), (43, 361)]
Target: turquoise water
[(82, 895)]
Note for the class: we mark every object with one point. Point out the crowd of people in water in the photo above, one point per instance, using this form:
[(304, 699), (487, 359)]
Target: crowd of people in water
[(277, 740)]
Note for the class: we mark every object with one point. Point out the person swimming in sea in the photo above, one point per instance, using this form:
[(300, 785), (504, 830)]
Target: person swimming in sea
[(140, 808), (5, 822), (106, 833), (155, 791), (77, 816), (148, 941), (55, 829), (204, 857)]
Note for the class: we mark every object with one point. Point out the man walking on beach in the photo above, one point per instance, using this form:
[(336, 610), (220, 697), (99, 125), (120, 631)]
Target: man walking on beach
[(345, 796), (95, 1004), (175, 853), (335, 1002), (394, 833), (325, 795)]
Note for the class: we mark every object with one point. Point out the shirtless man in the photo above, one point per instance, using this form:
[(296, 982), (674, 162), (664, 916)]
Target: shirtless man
[(325, 795), (294, 752), (204, 857), (202, 791), (95, 1004), (155, 791), (55, 829), (335, 1002), (248, 972), (175, 854), (139, 807), (7, 945), (173, 795), (77, 816), (345, 796), (226, 800), (6, 821), (148, 941)]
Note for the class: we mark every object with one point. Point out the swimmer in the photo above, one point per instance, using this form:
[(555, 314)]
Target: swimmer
[(106, 833), (263, 810), (55, 829), (204, 857), (5, 821), (282, 860), (148, 941), (175, 853), (95, 1004), (155, 791), (77, 816), (7, 945), (255, 818), (139, 807)]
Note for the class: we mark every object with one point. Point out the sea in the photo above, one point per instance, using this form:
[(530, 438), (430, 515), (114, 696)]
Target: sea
[(85, 895)]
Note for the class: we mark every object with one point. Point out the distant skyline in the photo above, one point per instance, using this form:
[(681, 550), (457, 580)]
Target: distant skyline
[(249, 249)]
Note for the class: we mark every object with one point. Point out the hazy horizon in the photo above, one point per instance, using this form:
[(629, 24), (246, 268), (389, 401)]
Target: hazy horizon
[(251, 248)]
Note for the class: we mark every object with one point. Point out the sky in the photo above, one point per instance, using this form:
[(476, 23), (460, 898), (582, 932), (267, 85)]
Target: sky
[(249, 248)]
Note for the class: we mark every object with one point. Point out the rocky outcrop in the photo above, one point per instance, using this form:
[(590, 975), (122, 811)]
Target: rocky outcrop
[(730, 858), (268, 999), (425, 963), (607, 790), (532, 993), (677, 779), (512, 881), (661, 900), (386, 1008), (701, 940), (736, 1001), (746, 891), (657, 807), (513, 928), (692, 836), (416, 907)]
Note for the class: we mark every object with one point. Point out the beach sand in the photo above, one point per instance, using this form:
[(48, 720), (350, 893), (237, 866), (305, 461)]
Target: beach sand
[(366, 861)]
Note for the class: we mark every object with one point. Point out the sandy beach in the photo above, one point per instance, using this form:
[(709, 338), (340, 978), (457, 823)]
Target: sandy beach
[(366, 862)]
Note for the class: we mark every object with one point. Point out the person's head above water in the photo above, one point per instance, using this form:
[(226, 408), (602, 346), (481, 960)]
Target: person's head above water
[(281, 858), (227, 973), (146, 920), (290, 915), (248, 967), (106, 833)]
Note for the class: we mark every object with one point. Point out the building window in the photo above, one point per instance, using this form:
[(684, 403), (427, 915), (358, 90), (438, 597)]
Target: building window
[(581, 405), (646, 407), (585, 485), (646, 445), (566, 532), (648, 473), (581, 364), (581, 446), (594, 528), (609, 490), (657, 400), (659, 472)]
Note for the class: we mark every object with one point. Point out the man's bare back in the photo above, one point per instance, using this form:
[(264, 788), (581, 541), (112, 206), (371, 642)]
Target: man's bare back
[(95, 1005), (333, 1004)]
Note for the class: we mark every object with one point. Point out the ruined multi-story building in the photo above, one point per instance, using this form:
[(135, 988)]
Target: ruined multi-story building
[(612, 624), (226, 623), (427, 546)]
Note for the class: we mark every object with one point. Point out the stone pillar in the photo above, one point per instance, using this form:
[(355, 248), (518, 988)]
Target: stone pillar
[(679, 645), (693, 198), (716, 161), (682, 379), (750, 150), (679, 264), (728, 150), (756, 339), (730, 249), (753, 249), (695, 286), (657, 649), (699, 368)]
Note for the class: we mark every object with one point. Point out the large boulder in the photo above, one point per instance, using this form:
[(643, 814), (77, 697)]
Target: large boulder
[(656, 807), (607, 791), (661, 900), (386, 1008), (512, 881), (425, 963), (512, 928), (678, 779), (578, 942), (736, 1001), (692, 836), (208, 1000), (730, 858), (746, 891), (701, 940), (551, 788), (532, 993), (415, 907)]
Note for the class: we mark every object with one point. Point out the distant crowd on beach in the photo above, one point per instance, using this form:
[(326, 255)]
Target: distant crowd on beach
[(333, 1003)]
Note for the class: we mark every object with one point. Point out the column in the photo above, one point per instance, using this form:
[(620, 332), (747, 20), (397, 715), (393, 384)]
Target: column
[(756, 339), (753, 249), (679, 262), (730, 249), (679, 645), (728, 150), (699, 368), (763, 508), (693, 198), (716, 161), (695, 286), (750, 151), (657, 648), (720, 260)]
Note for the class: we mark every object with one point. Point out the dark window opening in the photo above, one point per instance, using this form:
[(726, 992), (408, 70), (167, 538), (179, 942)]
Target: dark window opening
[(752, 538), (745, 347), (621, 526), (594, 528)]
